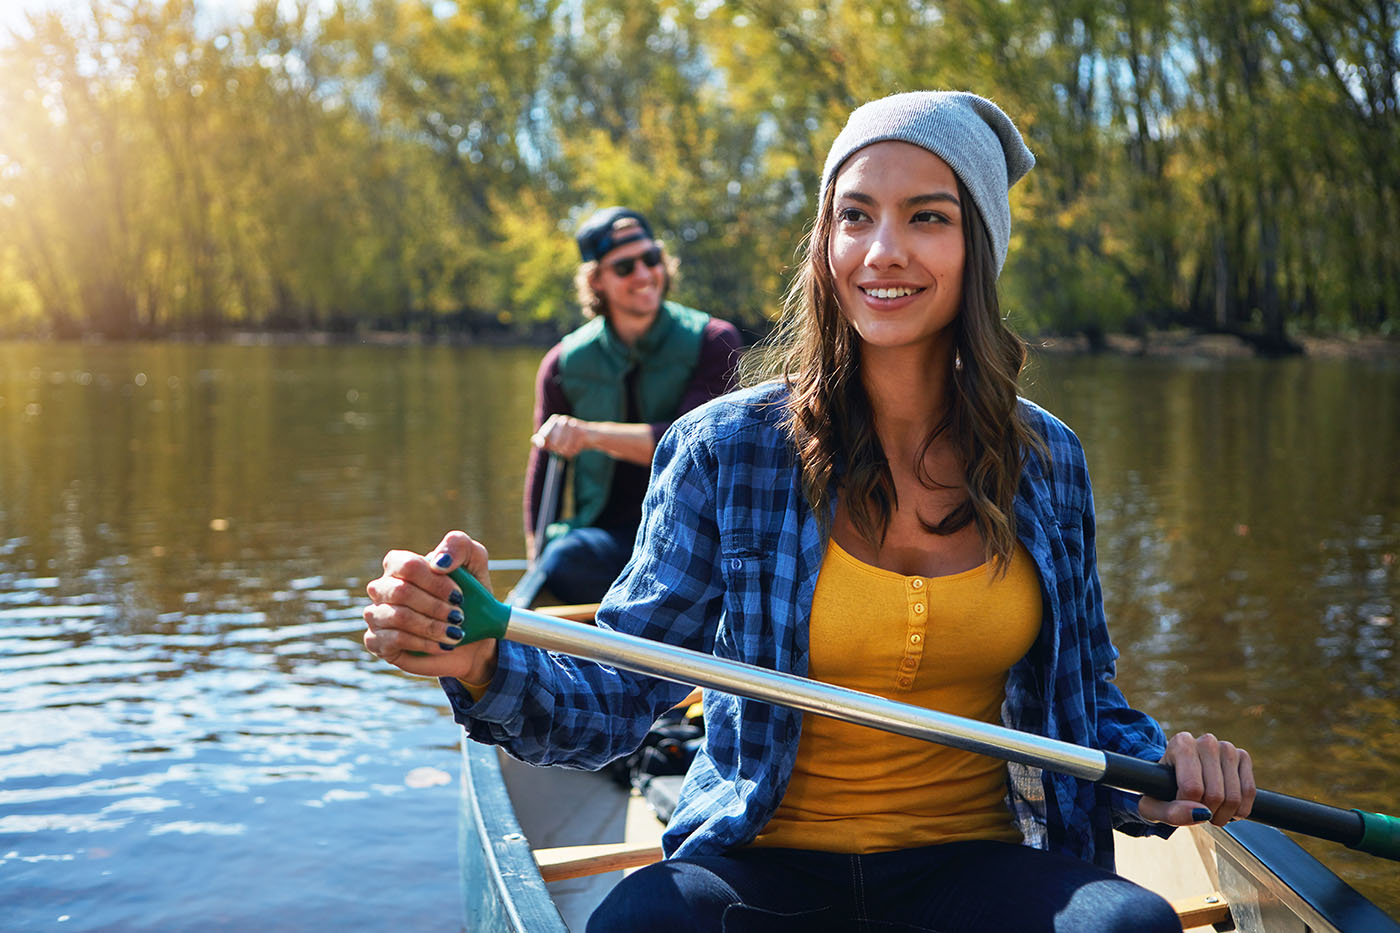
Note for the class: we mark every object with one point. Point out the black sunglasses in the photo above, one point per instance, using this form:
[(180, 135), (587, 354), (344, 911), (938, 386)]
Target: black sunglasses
[(622, 268)]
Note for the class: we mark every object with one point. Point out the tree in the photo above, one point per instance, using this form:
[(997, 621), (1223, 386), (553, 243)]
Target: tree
[(423, 165)]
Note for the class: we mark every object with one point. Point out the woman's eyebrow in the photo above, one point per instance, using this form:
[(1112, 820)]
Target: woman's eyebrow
[(858, 196), (937, 197), (917, 200)]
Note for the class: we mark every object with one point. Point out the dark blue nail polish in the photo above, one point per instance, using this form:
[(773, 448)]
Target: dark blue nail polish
[(444, 561), (1200, 814), (445, 646), (455, 633), (455, 597), (455, 617)]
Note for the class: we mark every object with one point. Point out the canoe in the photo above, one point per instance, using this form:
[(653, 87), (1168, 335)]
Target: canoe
[(1247, 874), (540, 848)]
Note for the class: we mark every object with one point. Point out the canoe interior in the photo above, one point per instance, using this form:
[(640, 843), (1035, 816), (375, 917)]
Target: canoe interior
[(1271, 884)]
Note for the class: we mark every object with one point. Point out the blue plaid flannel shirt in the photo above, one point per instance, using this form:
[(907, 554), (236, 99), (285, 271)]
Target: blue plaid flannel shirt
[(726, 562)]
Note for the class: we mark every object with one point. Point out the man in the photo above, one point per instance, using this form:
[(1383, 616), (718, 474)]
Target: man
[(607, 391)]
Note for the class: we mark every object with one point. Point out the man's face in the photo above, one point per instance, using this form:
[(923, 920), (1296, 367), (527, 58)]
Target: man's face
[(632, 280)]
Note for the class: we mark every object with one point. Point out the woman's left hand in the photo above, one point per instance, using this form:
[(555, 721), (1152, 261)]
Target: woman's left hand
[(1212, 777)]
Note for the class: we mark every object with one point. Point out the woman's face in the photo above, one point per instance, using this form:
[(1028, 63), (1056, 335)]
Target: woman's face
[(896, 248)]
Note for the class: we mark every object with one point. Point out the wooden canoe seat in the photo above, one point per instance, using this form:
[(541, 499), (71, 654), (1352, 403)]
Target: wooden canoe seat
[(576, 612), (579, 861), (1205, 910)]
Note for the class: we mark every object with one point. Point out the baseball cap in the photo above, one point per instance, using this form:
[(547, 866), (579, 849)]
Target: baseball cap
[(599, 234)]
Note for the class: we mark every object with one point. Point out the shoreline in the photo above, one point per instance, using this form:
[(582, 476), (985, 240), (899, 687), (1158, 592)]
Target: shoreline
[(1168, 343), (1181, 343)]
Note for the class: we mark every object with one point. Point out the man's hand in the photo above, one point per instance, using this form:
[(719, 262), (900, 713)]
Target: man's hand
[(568, 436)]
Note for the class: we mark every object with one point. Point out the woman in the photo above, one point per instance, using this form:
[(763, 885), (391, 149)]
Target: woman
[(888, 516)]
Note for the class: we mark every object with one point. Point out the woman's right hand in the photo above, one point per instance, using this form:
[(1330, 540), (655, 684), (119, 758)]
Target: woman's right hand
[(415, 611)]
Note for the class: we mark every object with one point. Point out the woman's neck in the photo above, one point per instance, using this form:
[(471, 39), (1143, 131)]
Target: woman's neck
[(909, 397), (908, 392)]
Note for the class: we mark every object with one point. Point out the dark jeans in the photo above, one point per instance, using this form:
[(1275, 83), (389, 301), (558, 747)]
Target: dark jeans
[(580, 566), (959, 887)]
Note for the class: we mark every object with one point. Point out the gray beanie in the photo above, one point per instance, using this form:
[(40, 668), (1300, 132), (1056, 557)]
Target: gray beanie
[(979, 142)]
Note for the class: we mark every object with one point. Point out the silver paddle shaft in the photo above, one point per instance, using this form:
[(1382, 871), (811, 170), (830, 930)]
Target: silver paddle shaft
[(694, 668), (549, 499)]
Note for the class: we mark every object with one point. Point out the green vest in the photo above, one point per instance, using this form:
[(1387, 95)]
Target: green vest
[(593, 367)]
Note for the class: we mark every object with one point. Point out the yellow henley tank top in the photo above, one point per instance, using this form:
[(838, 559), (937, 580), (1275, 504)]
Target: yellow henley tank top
[(945, 643)]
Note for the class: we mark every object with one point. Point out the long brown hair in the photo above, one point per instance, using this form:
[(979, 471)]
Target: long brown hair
[(816, 351)]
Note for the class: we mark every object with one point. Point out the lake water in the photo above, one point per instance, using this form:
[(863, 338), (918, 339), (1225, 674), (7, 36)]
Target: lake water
[(192, 735)]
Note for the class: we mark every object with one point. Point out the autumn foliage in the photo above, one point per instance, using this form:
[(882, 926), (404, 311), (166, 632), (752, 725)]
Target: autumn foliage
[(401, 164)]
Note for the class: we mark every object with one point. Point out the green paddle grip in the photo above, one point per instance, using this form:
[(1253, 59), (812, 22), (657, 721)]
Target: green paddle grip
[(1380, 834), (485, 616)]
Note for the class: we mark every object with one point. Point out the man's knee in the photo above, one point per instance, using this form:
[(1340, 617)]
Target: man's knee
[(580, 566)]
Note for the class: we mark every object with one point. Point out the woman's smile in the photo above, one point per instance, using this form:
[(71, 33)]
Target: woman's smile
[(888, 295)]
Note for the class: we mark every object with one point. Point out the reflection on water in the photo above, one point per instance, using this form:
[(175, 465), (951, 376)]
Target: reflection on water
[(1249, 544), (191, 732)]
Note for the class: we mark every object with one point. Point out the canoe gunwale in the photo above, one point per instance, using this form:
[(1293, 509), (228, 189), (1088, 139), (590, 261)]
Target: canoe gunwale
[(1260, 866), (501, 884)]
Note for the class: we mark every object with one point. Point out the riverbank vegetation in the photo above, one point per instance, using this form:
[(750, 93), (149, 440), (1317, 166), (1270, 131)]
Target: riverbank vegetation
[(348, 165)]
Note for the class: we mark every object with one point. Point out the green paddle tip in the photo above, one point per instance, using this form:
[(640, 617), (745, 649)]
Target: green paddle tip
[(1380, 834)]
